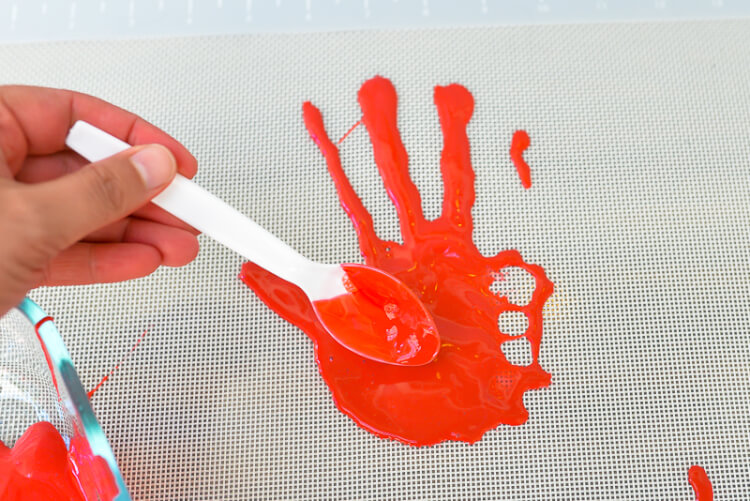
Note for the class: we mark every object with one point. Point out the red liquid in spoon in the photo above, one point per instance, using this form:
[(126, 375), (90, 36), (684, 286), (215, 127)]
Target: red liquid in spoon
[(470, 387), (380, 321), (701, 484)]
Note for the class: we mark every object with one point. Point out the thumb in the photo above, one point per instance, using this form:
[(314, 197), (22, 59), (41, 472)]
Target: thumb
[(75, 205)]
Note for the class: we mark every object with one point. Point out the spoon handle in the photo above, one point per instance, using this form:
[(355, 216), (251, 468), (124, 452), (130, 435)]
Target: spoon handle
[(200, 209)]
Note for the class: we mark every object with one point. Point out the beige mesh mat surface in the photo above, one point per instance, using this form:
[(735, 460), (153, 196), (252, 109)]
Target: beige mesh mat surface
[(639, 212)]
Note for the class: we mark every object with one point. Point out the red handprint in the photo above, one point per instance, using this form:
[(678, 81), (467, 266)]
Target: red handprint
[(470, 387)]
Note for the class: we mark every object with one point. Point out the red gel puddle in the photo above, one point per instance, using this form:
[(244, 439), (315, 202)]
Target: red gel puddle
[(518, 145), (39, 467), (470, 387), (380, 321), (701, 484)]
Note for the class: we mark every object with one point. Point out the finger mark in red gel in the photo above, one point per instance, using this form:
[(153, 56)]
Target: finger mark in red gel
[(379, 103), (350, 202), (455, 106)]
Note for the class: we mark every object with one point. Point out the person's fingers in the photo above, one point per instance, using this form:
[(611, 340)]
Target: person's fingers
[(36, 121), (176, 246), (88, 263), (5, 172), (159, 215), (38, 169), (70, 207)]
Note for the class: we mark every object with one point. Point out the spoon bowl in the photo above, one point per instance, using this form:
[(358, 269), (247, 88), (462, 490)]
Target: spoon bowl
[(379, 318)]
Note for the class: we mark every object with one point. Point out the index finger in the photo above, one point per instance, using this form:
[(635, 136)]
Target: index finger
[(36, 121)]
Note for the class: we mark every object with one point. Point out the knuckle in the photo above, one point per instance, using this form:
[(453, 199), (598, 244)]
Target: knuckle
[(106, 188), (13, 147), (31, 245), (21, 217)]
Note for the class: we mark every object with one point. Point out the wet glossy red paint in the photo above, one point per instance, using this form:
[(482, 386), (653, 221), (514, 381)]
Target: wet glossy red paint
[(701, 484), (518, 145), (40, 467), (380, 321), (470, 387)]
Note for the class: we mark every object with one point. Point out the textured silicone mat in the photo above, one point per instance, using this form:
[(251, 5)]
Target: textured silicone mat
[(639, 213)]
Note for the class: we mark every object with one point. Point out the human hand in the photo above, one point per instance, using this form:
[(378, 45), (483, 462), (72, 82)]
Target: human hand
[(66, 222)]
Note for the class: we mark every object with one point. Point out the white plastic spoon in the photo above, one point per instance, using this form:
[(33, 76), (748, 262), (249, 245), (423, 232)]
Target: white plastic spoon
[(385, 302)]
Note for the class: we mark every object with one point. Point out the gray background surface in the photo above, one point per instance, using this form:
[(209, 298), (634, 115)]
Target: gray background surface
[(35, 20), (639, 213)]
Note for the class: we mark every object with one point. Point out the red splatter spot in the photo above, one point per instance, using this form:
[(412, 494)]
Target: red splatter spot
[(701, 484), (518, 145)]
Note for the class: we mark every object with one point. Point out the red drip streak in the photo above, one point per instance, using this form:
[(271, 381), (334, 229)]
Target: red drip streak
[(701, 484), (470, 387), (349, 132), (46, 353), (518, 145), (105, 378)]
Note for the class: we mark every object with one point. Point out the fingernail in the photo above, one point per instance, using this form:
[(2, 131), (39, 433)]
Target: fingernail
[(155, 164)]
